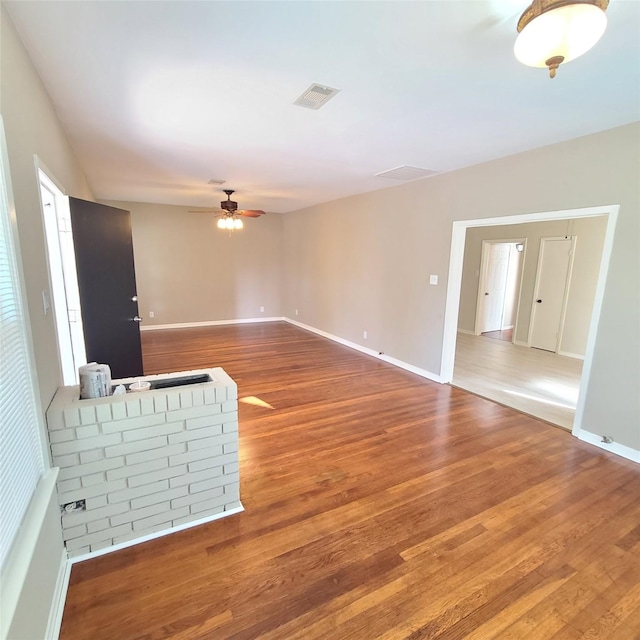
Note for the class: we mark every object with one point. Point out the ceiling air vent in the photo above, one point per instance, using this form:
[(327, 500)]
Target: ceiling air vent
[(316, 96), (406, 172), (216, 181)]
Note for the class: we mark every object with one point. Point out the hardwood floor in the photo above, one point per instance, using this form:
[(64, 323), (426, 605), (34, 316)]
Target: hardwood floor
[(378, 505), (540, 383)]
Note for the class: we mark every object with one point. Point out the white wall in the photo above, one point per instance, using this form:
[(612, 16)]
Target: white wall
[(363, 263)]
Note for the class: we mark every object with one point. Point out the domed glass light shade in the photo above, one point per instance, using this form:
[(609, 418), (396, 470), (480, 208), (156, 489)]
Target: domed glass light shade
[(555, 31)]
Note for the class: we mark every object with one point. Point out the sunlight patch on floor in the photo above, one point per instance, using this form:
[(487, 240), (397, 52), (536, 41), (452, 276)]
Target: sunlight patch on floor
[(561, 391), (541, 399), (256, 402)]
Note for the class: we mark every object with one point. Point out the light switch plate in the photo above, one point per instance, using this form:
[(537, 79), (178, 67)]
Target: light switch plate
[(433, 279)]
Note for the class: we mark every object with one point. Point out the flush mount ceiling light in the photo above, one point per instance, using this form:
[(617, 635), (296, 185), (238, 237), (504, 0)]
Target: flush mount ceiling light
[(551, 32)]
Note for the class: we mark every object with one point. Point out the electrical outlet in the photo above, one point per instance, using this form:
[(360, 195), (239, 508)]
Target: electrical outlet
[(75, 506), (152, 314), (433, 279), (261, 309), (296, 312), (364, 334)]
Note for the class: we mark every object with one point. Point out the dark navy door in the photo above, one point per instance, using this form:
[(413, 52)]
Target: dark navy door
[(107, 282)]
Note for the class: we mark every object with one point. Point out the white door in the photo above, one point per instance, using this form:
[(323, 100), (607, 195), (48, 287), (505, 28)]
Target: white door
[(552, 285), (493, 286)]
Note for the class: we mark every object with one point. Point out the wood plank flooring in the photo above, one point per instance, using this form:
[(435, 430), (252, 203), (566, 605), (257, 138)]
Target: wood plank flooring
[(378, 505), (502, 334), (540, 383)]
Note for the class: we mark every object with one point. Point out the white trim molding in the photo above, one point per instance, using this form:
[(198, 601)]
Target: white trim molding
[(207, 323), (59, 598), (456, 258), (567, 354), (613, 447), (621, 450), (156, 534), (347, 343), (16, 570), (370, 352)]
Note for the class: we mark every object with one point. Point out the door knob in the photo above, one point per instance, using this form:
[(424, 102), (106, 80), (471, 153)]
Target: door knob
[(486, 293), (137, 319), (538, 301)]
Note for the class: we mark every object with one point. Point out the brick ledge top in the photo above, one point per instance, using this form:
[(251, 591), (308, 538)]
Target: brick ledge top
[(219, 378)]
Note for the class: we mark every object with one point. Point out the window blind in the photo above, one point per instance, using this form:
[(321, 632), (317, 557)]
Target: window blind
[(21, 456)]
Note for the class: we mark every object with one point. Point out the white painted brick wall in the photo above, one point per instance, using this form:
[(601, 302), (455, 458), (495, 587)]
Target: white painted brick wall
[(144, 462)]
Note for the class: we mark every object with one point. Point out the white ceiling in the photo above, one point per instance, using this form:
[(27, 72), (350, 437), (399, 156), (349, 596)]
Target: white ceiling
[(159, 97)]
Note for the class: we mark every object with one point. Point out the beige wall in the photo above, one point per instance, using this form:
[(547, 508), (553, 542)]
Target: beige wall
[(188, 270), (31, 127), (589, 233), (363, 263)]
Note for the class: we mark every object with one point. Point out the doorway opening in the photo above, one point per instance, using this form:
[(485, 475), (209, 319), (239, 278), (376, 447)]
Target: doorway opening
[(453, 302), (65, 297), (499, 288)]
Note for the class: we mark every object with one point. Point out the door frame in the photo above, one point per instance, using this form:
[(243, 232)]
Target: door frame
[(483, 275), (456, 257), (565, 294), (70, 354)]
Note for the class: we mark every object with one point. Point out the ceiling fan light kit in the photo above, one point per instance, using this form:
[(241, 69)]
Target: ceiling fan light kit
[(229, 221), (551, 32)]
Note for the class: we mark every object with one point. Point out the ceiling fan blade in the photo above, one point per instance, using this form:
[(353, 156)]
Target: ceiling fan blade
[(251, 213)]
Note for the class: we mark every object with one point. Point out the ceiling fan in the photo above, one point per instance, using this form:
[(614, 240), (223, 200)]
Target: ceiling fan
[(229, 219)]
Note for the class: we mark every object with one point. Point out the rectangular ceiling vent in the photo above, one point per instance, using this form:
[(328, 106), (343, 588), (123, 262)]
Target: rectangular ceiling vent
[(216, 181), (316, 96), (406, 172)]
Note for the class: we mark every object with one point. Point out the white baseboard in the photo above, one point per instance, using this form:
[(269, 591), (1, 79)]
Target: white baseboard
[(157, 534), (613, 447), (207, 323), (466, 332), (66, 563), (347, 343), (60, 597), (520, 343), (370, 352), (567, 354)]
